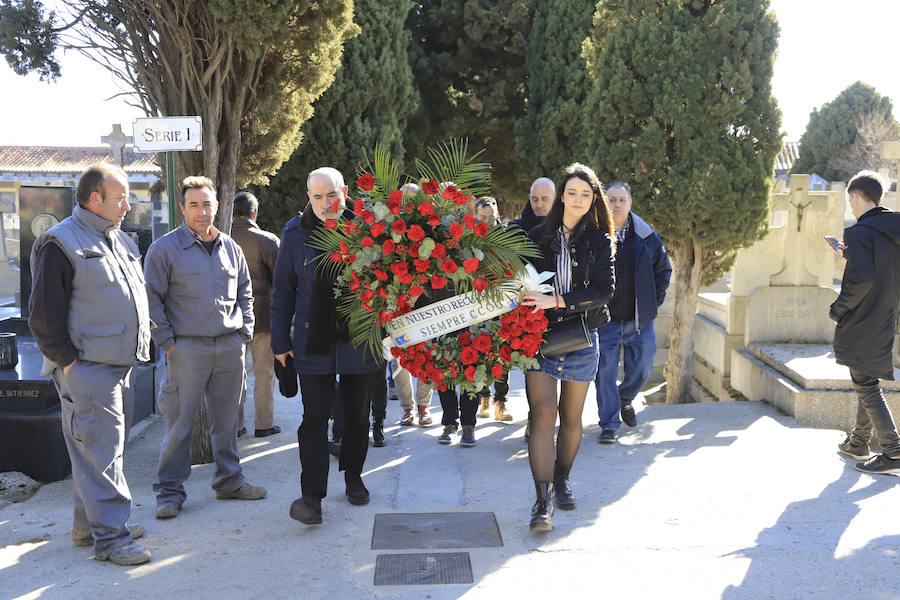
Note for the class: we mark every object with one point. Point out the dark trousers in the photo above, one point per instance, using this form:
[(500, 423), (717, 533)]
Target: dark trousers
[(456, 408), (318, 392), (873, 413), (377, 399), (501, 389)]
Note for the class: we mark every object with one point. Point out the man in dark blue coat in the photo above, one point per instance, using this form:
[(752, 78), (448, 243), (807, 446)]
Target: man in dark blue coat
[(866, 316), (302, 297), (642, 277)]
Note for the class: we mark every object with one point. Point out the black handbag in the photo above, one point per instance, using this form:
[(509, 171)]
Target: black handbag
[(567, 335)]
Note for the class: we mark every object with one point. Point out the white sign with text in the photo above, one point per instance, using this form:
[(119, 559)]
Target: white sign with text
[(163, 134)]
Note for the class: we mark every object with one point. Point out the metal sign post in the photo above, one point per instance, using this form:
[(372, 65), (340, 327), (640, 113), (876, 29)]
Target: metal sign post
[(168, 134)]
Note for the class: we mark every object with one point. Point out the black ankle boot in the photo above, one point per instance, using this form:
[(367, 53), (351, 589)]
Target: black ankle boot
[(378, 433), (356, 490), (542, 511), (565, 496), (307, 509)]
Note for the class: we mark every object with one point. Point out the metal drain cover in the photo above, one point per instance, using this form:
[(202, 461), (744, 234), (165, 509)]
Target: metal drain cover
[(435, 531), (423, 569)]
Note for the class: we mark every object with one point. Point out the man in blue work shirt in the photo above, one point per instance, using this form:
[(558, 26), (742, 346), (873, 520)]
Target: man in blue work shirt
[(201, 306)]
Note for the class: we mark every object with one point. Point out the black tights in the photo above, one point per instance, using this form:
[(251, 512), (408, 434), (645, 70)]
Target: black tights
[(541, 392)]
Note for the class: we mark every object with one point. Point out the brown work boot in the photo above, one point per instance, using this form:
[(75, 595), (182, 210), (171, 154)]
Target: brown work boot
[(500, 413), (485, 411)]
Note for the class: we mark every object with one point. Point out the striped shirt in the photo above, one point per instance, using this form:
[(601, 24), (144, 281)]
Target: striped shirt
[(562, 283)]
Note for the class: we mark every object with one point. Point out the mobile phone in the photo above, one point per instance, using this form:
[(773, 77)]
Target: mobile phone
[(834, 243)]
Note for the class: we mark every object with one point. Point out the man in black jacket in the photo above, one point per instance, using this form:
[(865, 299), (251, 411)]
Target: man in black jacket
[(866, 316), (540, 201)]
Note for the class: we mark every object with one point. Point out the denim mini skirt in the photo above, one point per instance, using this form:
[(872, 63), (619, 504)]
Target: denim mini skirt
[(580, 365)]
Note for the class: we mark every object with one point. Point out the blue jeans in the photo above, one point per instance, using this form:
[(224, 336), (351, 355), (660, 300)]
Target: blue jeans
[(640, 348)]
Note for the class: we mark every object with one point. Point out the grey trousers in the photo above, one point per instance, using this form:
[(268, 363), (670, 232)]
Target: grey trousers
[(873, 412), (209, 370), (92, 399), (403, 383)]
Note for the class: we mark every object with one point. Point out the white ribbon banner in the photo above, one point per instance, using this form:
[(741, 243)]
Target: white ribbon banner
[(459, 312)]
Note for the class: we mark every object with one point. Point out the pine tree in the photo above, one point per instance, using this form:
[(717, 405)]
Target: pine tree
[(551, 135), (368, 103), (468, 59), (833, 130), (682, 108)]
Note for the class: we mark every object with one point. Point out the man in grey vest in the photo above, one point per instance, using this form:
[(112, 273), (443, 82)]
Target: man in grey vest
[(260, 249), (201, 305), (89, 318)]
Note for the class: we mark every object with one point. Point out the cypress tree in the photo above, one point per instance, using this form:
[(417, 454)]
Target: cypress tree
[(682, 108), (468, 60), (369, 102), (832, 131), (551, 135)]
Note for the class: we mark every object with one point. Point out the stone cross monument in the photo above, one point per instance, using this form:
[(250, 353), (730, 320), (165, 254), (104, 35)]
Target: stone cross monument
[(117, 141)]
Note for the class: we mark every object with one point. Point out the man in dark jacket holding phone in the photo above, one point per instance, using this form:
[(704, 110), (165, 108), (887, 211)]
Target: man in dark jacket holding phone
[(866, 316)]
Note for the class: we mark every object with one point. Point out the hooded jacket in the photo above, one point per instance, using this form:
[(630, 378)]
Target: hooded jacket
[(866, 308)]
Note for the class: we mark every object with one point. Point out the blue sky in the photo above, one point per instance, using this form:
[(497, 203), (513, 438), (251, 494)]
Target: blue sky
[(825, 46)]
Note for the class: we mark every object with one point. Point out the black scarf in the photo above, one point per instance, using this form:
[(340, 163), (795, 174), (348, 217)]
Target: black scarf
[(324, 329)]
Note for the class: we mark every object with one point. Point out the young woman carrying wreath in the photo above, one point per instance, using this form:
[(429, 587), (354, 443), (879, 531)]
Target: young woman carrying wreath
[(576, 242)]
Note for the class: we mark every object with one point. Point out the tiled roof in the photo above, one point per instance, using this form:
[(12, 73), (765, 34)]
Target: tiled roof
[(70, 159), (785, 159)]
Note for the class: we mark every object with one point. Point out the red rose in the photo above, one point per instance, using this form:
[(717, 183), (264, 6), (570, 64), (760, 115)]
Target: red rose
[(350, 227), (344, 248), (497, 370), (415, 291), (470, 373), (398, 268), (368, 216), (367, 295), (449, 192), (330, 223), (505, 353), (460, 198), (465, 338), (479, 284), (421, 265), (376, 229), (366, 182), (382, 292), (395, 201), (482, 343), (426, 208), (399, 226), (416, 233), (358, 207), (469, 220), (336, 257), (471, 264), (438, 282), (388, 246), (414, 250), (457, 231), (481, 229), (440, 251), (468, 355), (367, 242), (434, 220), (381, 275), (448, 266), (405, 278), (431, 187)]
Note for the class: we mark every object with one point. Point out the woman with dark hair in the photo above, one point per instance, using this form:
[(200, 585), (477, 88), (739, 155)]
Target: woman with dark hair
[(576, 241)]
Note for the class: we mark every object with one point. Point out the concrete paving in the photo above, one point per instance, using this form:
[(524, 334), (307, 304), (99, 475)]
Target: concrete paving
[(714, 500)]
